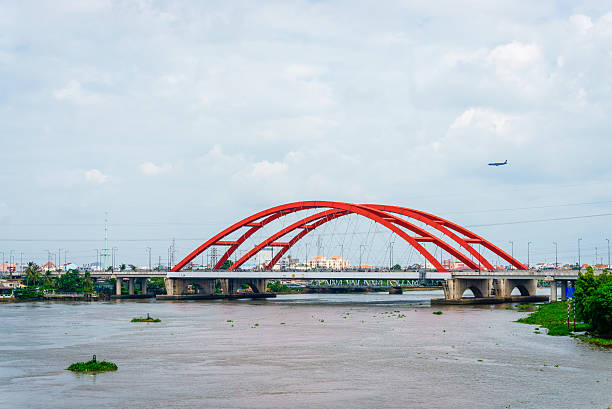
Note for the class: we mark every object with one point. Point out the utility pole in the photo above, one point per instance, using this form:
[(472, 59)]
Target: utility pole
[(608, 240), (390, 255), (528, 245), (511, 251), (341, 257), (97, 258), (114, 249), (579, 264), (307, 244), (361, 246), (556, 264), (594, 264), (149, 250), (105, 249), (21, 262)]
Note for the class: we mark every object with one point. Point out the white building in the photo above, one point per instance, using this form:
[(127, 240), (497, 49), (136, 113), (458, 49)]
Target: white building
[(332, 263)]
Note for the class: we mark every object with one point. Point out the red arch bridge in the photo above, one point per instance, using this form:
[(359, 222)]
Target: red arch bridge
[(483, 280)]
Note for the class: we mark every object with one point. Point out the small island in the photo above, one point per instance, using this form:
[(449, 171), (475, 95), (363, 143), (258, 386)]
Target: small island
[(147, 319), (92, 366)]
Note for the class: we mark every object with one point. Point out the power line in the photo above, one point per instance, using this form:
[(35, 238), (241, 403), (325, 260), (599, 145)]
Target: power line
[(541, 220)]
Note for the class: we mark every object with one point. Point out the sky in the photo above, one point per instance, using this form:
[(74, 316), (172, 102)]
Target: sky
[(180, 118)]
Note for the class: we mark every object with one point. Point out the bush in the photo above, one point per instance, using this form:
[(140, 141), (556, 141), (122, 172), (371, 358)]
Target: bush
[(593, 298), (92, 366), (277, 287), (28, 293)]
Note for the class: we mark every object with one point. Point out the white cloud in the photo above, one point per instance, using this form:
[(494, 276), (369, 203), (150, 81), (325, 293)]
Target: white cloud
[(75, 93), (581, 22), (95, 176), (265, 170), (151, 169), (482, 118)]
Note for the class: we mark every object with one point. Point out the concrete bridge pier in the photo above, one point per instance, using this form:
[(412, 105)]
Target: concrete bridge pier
[(553, 291), (118, 283), (455, 287), (131, 286), (174, 286), (564, 290), (504, 287), (143, 286)]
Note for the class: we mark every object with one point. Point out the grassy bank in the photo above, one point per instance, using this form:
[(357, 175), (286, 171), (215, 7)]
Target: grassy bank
[(554, 318), (92, 366)]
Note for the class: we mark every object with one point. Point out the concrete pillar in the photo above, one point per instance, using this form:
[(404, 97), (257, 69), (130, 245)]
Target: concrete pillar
[(143, 286), (118, 286), (563, 290), (174, 286), (131, 286), (225, 286), (553, 291)]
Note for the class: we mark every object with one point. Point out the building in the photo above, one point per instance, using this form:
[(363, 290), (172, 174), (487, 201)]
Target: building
[(332, 263), (452, 265)]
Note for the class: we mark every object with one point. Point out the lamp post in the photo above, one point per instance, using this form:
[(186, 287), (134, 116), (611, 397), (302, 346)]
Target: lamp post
[(595, 263), (608, 240), (528, 245), (361, 247), (556, 264), (579, 264), (511, 250), (391, 255), (113, 250), (149, 250)]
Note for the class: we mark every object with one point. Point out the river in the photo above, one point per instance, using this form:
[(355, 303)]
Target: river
[(297, 351)]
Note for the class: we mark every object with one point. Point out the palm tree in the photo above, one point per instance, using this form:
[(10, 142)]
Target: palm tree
[(47, 280), (32, 274), (87, 283)]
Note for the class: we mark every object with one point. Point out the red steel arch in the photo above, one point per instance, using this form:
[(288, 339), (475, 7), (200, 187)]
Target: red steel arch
[(382, 214)]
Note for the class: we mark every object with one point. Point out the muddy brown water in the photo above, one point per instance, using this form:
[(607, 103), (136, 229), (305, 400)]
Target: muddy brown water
[(297, 351)]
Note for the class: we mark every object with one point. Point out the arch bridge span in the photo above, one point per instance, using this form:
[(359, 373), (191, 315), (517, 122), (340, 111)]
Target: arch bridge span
[(454, 239)]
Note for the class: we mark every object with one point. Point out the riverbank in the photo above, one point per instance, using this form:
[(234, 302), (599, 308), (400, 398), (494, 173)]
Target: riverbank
[(554, 317)]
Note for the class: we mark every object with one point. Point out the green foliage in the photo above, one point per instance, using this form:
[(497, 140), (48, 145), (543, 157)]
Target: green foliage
[(593, 298), (32, 274), (277, 287), (28, 293), (437, 312), (156, 285), (553, 317), (147, 319), (396, 267), (122, 267), (70, 282), (92, 366), (227, 264)]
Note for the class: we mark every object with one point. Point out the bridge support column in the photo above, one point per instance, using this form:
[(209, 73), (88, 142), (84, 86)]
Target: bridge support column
[(504, 287), (564, 290), (553, 291), (143, 286), (174, 286), (455, 287), (118, 283), (131, 286)]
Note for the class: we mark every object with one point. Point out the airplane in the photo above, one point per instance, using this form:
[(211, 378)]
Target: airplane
[(499, 163)]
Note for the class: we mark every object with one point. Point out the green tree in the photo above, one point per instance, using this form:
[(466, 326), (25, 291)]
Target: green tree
[(593, 301), (122, 267), (226, 265), (87, 283), (71, 282), (396, 267), (32, 274), (48, 281)]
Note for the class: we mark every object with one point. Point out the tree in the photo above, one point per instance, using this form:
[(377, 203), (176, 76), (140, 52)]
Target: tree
[(71, 282), (122, 267), (396, 267), (226, 265), (132, 267), (48, 281), (32, 274), (87, 283), (593, 298)]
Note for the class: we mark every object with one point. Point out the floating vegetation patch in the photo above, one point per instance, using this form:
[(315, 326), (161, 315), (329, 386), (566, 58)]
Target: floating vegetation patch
[(147, 319), (92, 366)]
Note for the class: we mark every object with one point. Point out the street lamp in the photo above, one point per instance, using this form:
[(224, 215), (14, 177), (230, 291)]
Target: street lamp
[(579, 264), (149, 250), (528, 245), (113, 250), (361, 247), (556, 264), (512, 249), (391, 254), (608, 240)]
